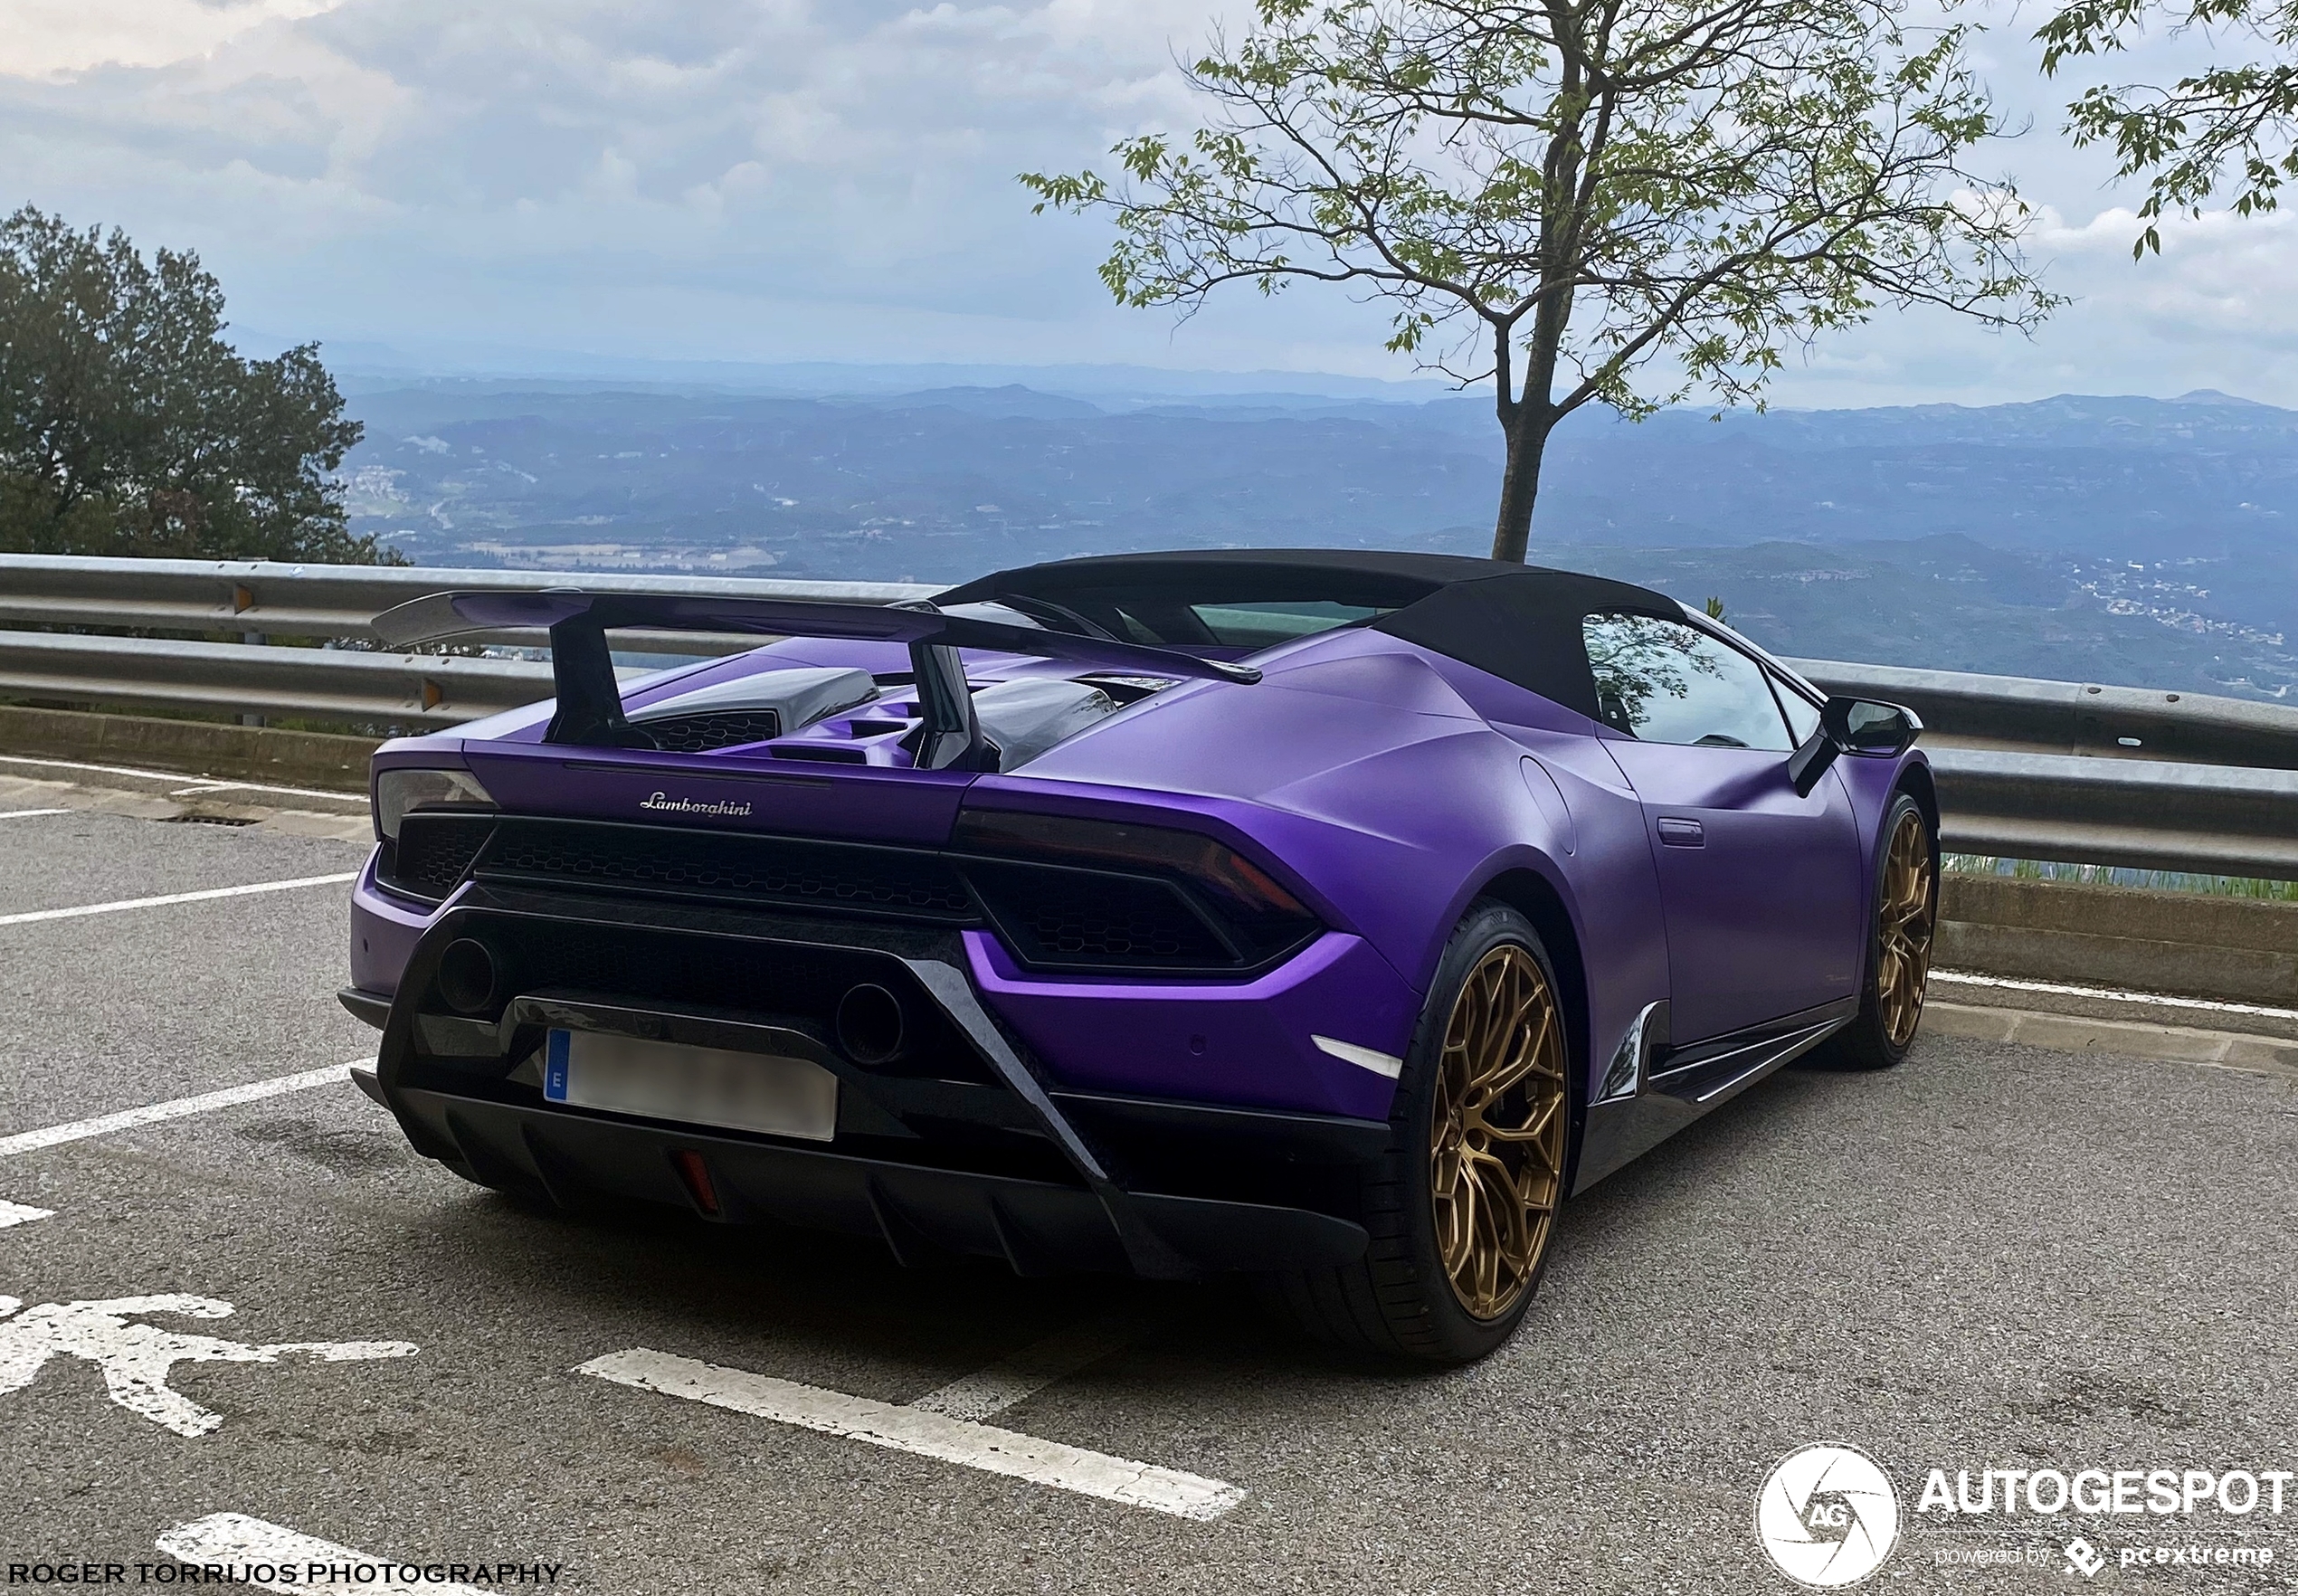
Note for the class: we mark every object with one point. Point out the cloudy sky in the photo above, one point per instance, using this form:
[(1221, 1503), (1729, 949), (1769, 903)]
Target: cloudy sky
[(774, 180)]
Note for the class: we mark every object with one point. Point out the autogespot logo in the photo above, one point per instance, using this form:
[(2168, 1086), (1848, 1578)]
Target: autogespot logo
[(1828, 1516)]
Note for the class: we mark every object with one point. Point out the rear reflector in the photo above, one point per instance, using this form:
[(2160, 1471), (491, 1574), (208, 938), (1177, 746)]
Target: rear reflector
[(696, 1176)]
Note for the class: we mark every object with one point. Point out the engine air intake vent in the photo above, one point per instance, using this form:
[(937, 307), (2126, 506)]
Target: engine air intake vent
[(720, 728)]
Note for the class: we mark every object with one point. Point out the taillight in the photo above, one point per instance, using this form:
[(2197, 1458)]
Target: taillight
[(403, 789), (1230, 912)]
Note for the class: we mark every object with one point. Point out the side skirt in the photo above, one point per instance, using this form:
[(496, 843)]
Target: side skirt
[(1664, 1090)]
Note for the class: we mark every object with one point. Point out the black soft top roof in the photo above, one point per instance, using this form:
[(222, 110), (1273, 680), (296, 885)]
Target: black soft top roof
[(1381, 578), (1520, 623)]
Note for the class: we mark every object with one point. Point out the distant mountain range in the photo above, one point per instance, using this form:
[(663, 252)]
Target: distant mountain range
[(2120, 539)]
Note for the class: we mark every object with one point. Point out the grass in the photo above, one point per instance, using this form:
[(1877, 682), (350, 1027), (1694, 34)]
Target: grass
[(2032, 869)]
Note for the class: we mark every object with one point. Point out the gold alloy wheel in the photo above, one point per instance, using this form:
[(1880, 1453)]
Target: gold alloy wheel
[(1496, 1141), (1903, 930)]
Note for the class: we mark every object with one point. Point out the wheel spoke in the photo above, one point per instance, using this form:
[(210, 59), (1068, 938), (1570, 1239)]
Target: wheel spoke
[(1524, 1057), (1499, 1116), (1904, 927)]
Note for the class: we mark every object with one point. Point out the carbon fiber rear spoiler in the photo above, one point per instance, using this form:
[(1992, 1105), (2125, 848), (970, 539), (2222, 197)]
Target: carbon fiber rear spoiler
[(590, 706)]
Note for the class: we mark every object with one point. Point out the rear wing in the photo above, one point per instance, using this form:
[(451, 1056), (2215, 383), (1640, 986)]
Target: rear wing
[(589, 711)]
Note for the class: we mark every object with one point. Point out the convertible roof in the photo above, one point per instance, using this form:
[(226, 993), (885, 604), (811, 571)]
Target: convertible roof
[(1381, 578), (1520, 623)]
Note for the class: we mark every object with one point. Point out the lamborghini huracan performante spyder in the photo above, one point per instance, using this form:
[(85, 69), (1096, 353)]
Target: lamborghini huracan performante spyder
[(1327, 915)]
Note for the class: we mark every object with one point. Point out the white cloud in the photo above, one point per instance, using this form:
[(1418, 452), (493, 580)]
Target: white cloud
[(765, 180), (56, 37)]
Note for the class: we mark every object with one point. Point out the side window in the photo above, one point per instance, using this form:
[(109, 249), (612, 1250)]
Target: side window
[(1663, 681), (1803, 715)]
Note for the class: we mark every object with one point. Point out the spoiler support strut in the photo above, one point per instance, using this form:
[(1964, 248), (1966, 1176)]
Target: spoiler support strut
[(589, 711)]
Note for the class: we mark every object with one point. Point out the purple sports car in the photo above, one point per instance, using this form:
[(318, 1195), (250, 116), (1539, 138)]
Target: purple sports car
[(1327, 915)]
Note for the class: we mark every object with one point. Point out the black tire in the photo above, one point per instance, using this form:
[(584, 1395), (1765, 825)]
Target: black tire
[(1399, 1300), (1872, 1041)]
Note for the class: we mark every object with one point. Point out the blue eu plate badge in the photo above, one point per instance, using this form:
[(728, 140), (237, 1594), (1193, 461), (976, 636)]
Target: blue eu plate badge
[(554, 1066)]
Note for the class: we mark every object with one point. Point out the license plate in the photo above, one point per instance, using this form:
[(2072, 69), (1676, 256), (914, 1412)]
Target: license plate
[(694, 1086)]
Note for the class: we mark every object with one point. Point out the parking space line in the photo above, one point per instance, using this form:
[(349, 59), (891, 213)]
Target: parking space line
[(247, 1545), (2162, 1000), (1015, 1379), (210, 788), (21, 1214), (28, 813), (80, 1130), (196, 783), (29, 916), (925, 1434)]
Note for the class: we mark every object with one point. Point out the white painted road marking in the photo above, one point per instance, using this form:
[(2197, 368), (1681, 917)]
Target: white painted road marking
[(21, 1214), (27, 917), (1964, 978), (1016, 1378), (135, 1358), (28, 813), (236, 1542), (198, 784), (152, 1114), (928, 1435)]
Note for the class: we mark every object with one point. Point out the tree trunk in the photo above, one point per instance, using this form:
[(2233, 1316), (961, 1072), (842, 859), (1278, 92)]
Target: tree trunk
[(1527, 432)]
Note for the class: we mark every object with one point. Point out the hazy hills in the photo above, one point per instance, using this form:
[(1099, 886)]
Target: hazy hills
[(2127, 539)]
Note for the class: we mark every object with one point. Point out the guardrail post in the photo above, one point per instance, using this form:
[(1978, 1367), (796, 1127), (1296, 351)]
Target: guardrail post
[(245, 599)]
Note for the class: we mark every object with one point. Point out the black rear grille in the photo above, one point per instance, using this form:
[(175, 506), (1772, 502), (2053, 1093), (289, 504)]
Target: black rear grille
[(718, 728), (1055, 918), (433, 853), (903, 883)]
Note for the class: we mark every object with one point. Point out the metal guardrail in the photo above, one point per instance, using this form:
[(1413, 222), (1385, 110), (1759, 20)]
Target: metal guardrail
[(324, 684), (2075, 772), (2211, 819), (280, 600), (2022, 714), (2094, 774)]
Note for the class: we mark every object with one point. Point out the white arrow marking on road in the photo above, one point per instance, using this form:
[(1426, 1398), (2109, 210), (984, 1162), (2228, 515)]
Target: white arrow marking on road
[(926, 1434), (135, 1358), (30, 813), (30, 916), (21, 1214), (230, 1539), (80, 1130)]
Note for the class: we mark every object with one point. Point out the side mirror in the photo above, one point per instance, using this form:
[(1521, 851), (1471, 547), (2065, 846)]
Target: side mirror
[(1864, 725), (1851, 726)]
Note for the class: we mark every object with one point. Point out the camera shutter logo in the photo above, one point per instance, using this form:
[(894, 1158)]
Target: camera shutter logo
[(1829, 1516)]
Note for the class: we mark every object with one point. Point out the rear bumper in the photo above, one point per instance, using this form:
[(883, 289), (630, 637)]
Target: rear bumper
[(978, 1149), (922, 1214)]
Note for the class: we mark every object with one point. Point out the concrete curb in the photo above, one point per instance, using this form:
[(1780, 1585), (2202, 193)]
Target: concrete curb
[(146, 795), (2224, 1050), (2232, 949), (195, 747)]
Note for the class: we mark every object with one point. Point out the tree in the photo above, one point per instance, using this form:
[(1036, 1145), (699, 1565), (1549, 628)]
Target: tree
[(1623, 200), (2184, 138), (128, 426)]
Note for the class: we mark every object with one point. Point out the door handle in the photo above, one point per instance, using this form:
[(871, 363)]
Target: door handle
[(1677, 832)]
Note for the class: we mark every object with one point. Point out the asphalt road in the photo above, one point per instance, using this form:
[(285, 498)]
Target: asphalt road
[(1992, 1257)]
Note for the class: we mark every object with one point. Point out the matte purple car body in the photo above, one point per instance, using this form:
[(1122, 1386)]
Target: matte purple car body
[(1699, 911)]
